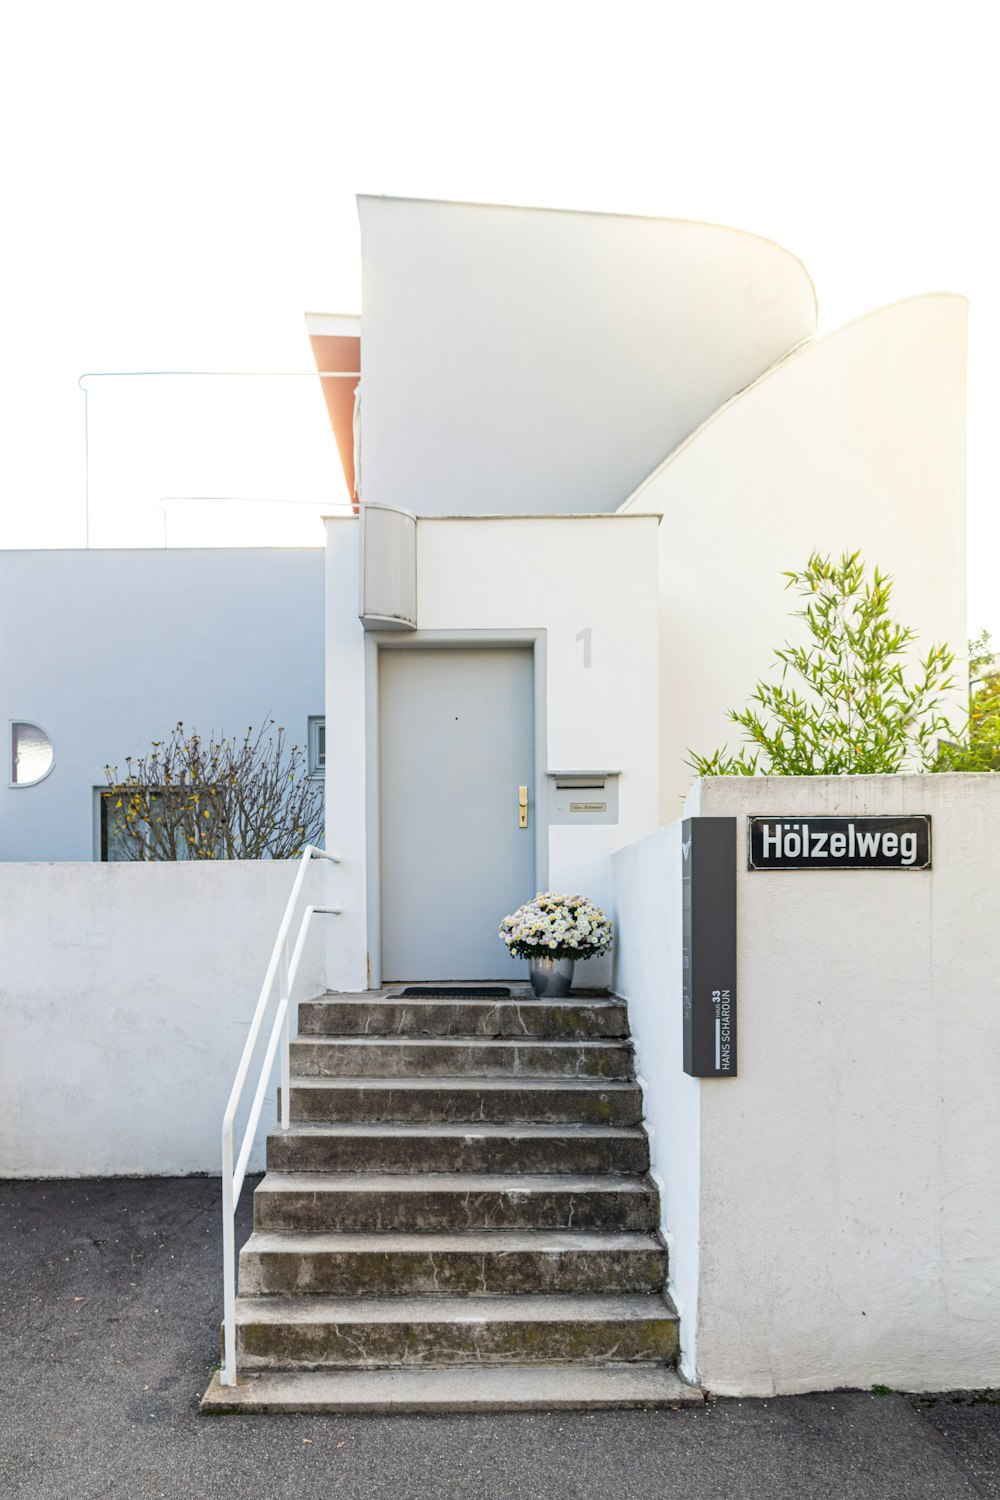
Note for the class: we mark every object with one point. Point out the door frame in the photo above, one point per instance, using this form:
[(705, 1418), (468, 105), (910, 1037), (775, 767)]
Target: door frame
[(383, 640)]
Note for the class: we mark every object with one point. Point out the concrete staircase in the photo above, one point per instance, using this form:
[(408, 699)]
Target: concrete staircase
[(459, 1218)]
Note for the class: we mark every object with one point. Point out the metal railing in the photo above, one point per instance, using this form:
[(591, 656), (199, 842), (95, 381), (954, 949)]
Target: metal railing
[(285, 968)]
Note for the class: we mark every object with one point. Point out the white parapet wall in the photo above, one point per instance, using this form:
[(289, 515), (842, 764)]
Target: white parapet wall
[(832, 1211), (126, 994), (646, 909)]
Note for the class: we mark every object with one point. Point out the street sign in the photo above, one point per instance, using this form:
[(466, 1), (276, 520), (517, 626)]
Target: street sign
[(801, 841)]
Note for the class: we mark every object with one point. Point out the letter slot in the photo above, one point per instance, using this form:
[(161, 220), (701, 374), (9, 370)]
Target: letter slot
[(583, 797)]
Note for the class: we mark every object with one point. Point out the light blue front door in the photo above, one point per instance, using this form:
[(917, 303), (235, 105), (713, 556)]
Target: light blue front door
[(456, 742)]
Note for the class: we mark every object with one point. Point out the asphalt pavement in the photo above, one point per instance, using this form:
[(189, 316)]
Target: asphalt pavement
[(110, 1298)]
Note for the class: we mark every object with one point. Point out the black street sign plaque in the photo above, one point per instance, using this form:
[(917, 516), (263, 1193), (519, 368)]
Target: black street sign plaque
[(803, 842), (708, 981)]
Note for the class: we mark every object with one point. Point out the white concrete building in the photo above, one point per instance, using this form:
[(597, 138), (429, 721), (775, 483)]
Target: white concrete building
[(594, 422), (102, 652), (585, 449)]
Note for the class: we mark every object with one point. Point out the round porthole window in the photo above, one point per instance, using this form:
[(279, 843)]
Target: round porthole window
[(31, 753)]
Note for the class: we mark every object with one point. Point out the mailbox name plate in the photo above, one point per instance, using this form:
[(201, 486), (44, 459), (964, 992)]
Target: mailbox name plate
[(803, 842)]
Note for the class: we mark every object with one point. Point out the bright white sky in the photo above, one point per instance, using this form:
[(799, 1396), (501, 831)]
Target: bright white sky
[(178, 188)]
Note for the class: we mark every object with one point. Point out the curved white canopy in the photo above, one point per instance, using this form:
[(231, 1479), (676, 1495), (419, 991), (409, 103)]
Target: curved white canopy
[(525, 361)]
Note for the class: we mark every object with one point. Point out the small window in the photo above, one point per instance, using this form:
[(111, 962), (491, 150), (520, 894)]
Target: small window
[(31, 753), (116, 846), (317, 747)]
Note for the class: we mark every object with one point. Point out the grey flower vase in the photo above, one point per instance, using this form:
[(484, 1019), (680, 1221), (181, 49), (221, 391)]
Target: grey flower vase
[(551, 977)]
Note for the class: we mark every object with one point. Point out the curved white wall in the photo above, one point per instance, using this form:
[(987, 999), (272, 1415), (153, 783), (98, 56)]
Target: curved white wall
[(525, 361), (856, 441)]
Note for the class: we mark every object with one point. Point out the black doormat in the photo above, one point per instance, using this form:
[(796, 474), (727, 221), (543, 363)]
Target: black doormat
[(435, 992)]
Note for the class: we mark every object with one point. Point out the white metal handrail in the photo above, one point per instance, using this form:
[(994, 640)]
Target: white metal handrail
[(285, 968)]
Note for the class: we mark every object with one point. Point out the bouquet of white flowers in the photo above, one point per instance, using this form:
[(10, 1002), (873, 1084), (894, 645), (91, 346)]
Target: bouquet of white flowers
[(553, 926)]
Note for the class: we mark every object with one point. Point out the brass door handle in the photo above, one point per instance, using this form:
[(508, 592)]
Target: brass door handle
[(522, 807)]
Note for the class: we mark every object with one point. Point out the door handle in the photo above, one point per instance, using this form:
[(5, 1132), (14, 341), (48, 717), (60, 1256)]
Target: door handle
[(522, 807)]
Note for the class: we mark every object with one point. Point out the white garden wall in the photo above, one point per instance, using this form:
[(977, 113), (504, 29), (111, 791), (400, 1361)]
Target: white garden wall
[(835, 1205), (126, 994)]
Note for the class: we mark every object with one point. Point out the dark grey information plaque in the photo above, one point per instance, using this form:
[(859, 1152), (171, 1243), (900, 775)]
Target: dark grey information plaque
[(801, 842), (708, 986)]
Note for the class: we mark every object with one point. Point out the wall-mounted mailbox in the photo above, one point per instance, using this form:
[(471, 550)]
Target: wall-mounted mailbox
[(583, 796)]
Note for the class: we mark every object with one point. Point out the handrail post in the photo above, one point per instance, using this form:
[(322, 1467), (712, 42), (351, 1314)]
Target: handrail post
[(285, 1065), (227, 1374), (232, 1177)]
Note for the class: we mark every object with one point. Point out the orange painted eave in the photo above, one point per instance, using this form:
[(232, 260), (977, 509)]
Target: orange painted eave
[(336, 353)]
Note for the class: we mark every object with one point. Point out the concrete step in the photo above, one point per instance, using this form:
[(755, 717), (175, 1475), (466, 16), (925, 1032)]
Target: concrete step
[(306, 1332), (432, 1202), (474, 1100), (445, 1057), (380, 1015), (459, 1148), (485, 1263), (467, 1388)]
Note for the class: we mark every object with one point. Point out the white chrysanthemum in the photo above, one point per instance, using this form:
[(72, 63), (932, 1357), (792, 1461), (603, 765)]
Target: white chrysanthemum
[(568, 926)]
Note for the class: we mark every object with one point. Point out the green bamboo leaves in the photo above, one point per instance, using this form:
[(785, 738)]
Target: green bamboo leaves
[(979, 749), (849, 702)]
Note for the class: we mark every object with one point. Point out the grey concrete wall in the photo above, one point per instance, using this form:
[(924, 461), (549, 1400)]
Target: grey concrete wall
[(107, 650)]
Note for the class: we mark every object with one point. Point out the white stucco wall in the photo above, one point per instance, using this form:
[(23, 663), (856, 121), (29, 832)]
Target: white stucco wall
[(346, 750), (527, 360), (646, 910), (126, 994), (565, 575), (561, 575), (847, 1192), (855, 442), (108, 649)]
